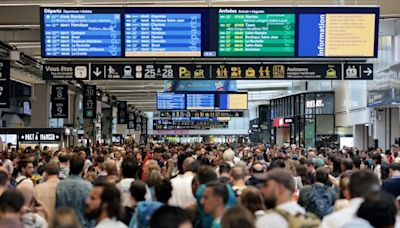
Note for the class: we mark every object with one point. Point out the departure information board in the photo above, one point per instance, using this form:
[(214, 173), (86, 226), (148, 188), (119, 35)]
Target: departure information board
[(81, 33), (200, 101), (235, 101), (248, 34), (170, 101), (161, 35)]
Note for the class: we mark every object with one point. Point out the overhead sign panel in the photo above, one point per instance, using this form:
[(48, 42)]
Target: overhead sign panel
[(236, 32), (170, 114), (65, 71), (200, 101), (277, 71), (148, 71), (80, 32), (221, 72), (4, 84), (89, 101), (59, 101), (131, 120), (171, 101), (233, 101), (163, 35), (255, 33), (354, 71), (122, 112), (333, 34)]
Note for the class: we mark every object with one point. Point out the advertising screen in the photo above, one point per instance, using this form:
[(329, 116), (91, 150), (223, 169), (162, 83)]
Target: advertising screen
[(170, 101), (80, 33), (200, 101), (161, 35), (255, 34)]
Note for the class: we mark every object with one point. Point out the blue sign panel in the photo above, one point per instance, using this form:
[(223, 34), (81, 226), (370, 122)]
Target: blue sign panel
[(170, 101), (161, 35), (200, 101), (81, 33)]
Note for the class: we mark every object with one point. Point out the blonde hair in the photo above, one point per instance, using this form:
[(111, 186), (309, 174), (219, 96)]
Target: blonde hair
[(152, 173)]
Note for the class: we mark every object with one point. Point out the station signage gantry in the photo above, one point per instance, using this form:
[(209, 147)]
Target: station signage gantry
[(209, 71)]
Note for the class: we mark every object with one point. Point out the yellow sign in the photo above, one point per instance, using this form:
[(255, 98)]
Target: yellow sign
[(350, 35), (331, 72), (250, 73), (184, 73), (222, 72), (264, 72), (238, 101), (236, 72), (278, 71), (199, 73)]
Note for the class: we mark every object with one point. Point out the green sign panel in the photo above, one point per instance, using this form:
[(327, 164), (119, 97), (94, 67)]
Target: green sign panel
[(256, 35)]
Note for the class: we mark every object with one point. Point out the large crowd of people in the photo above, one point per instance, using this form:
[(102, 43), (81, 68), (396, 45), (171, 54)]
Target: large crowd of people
[(172, 185)]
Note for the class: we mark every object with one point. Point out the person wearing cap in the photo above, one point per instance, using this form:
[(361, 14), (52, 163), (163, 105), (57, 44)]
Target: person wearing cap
[(277, 193), (257, 170), (392, 185)]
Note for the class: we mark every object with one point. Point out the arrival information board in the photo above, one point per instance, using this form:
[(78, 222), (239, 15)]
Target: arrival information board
[(248, 34), (161, 35), (81, 33)]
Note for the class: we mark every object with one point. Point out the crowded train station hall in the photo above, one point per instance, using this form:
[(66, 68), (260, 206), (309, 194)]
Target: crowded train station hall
[(199, 114)]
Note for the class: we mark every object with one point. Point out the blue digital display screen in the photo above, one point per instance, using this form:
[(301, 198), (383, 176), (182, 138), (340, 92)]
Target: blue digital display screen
[(200, 101), (81, 33), (223, 102), (170, 101), (155, 35)]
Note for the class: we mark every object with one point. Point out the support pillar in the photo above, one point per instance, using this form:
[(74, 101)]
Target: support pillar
[(40, 106)]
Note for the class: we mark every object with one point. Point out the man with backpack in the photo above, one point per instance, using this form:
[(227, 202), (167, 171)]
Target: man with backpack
[(277, 192), (318, 198)]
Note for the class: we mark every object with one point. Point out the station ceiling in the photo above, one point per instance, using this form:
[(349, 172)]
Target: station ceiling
[(19, 27)]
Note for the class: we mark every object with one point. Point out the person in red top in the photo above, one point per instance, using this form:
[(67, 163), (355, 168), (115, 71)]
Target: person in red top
[(389, 156)]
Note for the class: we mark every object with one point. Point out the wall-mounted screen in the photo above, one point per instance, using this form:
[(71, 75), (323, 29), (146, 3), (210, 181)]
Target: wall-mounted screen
[(78, 32), (170, 101), (200, 101)]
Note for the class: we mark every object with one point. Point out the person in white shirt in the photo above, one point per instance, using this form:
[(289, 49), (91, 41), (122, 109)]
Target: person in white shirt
[(7, 163), (25, 171), (361, 183), (104, 205), (129, 170), (378, 210), (182, 195), (277, 193)]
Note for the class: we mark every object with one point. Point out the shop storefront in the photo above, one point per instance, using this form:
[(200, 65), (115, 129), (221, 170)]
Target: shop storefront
[(305, 119), (53, 138)]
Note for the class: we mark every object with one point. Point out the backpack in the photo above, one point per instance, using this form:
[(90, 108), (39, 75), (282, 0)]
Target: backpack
[(308, 220), (144, 211), (321, 201)]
